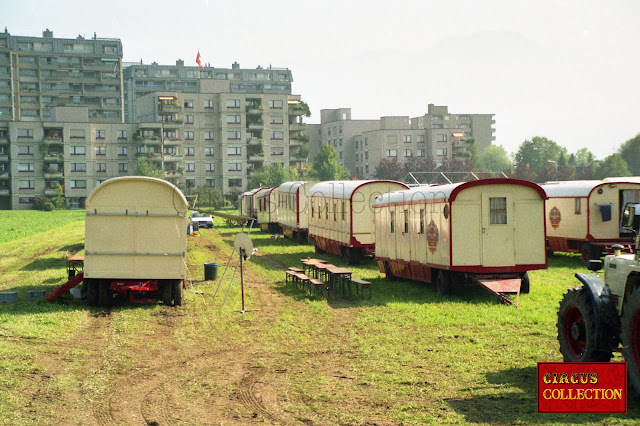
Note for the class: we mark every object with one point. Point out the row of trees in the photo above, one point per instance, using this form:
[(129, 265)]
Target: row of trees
[(539, 160)]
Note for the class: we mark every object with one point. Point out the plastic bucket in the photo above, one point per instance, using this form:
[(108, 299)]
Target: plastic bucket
[(210, 271)]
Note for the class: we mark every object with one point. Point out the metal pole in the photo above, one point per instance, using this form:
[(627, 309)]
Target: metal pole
[(242, 279)]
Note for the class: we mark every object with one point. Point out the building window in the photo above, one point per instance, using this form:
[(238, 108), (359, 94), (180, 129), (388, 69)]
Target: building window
[(208, 136), (101, 150), (234, 150), (123, 167), (276, 120), (26, 184), (234, 135), (190, 167), (235, 183), (101, 167), (211, 183), (235, 167), (101, 134), (188, 119), (208, 104), (189, 135), (441, 137), (78, 184), (277, 150), (441, 152), (78, 167), (188, 104), (209, 167), (276, 104), (122, 134), (122, 150), (277, 135), (25, 133), (190, 183), (233, 103), (189, 151), (25, 167), (498, 211), (208, 151), (77, 150), (25, 150), (406, 138), (420, 138), (420, 153), (392, 153), (233, 119), (407, 153)]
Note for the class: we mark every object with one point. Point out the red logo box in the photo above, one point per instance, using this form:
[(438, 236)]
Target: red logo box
[(582, 387)]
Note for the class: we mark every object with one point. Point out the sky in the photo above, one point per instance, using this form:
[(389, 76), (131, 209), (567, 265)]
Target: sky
[(565, 70)]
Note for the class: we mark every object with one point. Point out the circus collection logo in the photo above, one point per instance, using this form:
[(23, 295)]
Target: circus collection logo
[(432, 236), (554, 217)]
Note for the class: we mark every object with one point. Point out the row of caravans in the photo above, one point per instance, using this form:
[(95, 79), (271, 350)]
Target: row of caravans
[(498, 228)]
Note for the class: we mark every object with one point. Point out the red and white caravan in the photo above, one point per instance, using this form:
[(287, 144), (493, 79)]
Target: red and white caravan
[(585, 216), (293, 208), (341, 215), (490, 231)]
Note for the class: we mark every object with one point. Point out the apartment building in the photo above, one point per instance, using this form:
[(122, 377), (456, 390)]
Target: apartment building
[(141, 79), (362, 144), (39, 73)]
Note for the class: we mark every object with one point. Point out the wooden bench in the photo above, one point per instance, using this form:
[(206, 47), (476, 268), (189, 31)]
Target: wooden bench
[(318, 286), (361, 284), (294, 269)]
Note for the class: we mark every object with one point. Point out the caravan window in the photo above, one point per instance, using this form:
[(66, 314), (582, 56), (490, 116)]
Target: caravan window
[(498, 211)]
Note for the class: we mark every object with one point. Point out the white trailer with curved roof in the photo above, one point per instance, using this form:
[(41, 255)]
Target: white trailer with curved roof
[(267, 210), (489, 230), (248, 203), (292, 205), (341, 215), (135, 241), (585, 216)]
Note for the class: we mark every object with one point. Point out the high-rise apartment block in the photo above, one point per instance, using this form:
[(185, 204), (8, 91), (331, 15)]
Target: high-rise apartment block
[(362, 144), (72, 115)]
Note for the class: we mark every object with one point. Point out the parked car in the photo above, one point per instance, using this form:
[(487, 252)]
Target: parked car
[(204, 220)]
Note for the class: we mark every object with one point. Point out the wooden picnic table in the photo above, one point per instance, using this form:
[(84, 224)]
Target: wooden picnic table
[(339, 276)]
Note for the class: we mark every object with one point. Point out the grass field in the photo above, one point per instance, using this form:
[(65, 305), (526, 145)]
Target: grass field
[(405, 356)]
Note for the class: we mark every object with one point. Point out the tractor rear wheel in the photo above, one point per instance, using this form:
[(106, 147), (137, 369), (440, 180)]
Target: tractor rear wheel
[(177, 292), (631, 337), (577, 329), (444, 284)]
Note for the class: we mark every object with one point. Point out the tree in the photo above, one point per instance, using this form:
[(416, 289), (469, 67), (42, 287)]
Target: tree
[(583, 156), (612, 166), (272, 175), (494, 159), (537, 153), (147, 168), (389, 168), (325, 165), (630, 152)]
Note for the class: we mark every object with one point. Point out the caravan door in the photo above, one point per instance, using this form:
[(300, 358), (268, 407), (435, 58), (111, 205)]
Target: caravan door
[(497, 230)]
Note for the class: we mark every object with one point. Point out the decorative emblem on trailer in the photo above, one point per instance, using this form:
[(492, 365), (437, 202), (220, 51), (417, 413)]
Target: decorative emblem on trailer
[(432, 236), (555, 217)]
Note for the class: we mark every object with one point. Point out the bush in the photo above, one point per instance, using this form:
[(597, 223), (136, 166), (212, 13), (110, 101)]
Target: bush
[(42, 202)]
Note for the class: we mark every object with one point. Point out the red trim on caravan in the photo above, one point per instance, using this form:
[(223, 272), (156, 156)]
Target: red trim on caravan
[(450, 235), (497, 181), (298, 207)]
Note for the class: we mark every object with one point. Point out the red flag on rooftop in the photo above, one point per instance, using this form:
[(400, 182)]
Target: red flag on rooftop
[(198, 61)]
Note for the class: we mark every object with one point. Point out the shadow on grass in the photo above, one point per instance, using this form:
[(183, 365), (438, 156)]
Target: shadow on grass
[(519, 407)]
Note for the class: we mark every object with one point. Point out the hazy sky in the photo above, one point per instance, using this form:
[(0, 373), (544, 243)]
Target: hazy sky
[(566, 70)]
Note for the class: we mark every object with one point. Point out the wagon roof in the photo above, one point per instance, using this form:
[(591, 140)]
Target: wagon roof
[(264, 192), (449, 191), (181, 202), (291, 186), (578, 188), (253, 191), (343, 188)]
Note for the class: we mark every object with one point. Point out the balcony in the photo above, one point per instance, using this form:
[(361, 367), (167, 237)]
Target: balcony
[(50, 174), (51, 192), (4, 175), (255, 126), (172, 124), (5, 191), (255, 142), (53, 158), (53, 139), (256, 158), (169, 109), (4, 158), (173, 158), (254, 110), (173, 173), (172, 141)]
